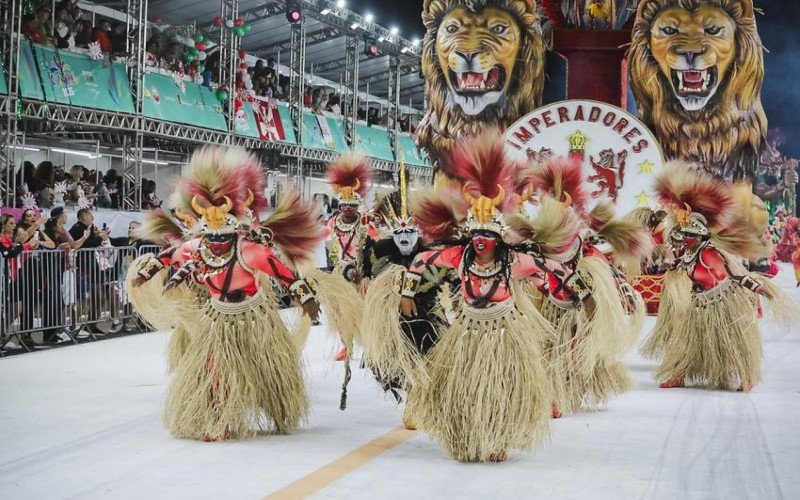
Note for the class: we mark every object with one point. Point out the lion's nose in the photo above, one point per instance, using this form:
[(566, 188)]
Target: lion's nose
[(691, 54), (466, 55)]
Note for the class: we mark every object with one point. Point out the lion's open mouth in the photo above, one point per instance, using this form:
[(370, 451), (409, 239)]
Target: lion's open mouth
[(694, 83), (470, 82)]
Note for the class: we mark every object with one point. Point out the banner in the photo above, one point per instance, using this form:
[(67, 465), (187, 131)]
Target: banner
[(3, 85), (314, 138), (619, 153), (374, 142), (245, 123), (73, 78), (327, 137), (268, 119), (189, 103), (408, 151)]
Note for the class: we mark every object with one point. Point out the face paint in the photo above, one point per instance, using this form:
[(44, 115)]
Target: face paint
[(220, 245), (406, 240), (690, 241), (348, 210), (484, 245)]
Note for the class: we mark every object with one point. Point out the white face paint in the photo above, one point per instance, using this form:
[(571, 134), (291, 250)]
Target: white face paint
[(406, 240)]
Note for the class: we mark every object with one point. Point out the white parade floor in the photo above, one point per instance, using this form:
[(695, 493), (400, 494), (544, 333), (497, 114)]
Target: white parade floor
[(83, 422)]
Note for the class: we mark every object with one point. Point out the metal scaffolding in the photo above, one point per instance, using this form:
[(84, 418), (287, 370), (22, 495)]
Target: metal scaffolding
[(315, 42)]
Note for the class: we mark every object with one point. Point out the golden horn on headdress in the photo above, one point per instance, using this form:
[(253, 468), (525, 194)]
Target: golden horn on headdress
[(197, 207), (684, 217), (227, 206), (527, 193), (250, 198), (188, 220), (357, 186), (466, 195), (568, 200), (501, 195)]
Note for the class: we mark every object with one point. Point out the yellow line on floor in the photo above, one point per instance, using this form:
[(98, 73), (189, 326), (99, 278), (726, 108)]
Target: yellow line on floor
[(332, 472)]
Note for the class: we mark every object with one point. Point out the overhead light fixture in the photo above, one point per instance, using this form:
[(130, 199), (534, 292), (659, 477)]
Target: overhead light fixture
[(415, 42), (341, 4), (394, 31), (154, 162), (368, 17), (91, 156), (293, 12), (354, 26), (405, 50), (325, 12), (381, 39), (26, 148)]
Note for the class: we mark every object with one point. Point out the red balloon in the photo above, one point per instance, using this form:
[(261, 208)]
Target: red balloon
[(238, 22), (242, 54), (201, 46), (217, 21), (37, 36), (158, 20), (238, 103)]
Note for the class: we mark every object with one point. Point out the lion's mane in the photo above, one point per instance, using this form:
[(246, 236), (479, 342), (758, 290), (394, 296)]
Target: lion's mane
[(442, 125), (727, 135)]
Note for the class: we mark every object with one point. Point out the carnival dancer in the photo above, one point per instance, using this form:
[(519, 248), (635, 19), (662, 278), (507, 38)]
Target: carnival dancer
[(707, 330), (598, 317), (395, 350), (483, 391), (241, 368), (348, 230)]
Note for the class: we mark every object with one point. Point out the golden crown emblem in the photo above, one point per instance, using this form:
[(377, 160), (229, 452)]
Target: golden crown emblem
[(578, 141)]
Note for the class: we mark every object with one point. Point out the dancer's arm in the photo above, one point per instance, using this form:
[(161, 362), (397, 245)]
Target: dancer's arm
[(262, 258)]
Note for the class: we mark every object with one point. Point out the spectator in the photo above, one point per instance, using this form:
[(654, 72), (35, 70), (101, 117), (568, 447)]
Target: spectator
[(307, 101), (43, 182), (25, 177), (89, 274), (32, 272), (257, 70), (101, 35), (64, 24), (111, 180), (10, 251), (133, 239), (82, 33), (119, 38)]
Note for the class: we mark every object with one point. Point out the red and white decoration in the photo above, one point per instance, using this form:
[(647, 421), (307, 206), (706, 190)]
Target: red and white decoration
[(619, 153)]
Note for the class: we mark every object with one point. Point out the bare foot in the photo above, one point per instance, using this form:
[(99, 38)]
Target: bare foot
[(556, 412), (745, 387), (408, 424), (342, 355), (498, 457), (671, 384)]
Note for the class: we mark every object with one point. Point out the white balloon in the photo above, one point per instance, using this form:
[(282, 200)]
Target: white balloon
[(229, 23), (251, 92), (246, 77), (201, 56), (189, 42), (198, 78)]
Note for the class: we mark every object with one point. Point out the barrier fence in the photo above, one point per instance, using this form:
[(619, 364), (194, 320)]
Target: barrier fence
[(65, 295)]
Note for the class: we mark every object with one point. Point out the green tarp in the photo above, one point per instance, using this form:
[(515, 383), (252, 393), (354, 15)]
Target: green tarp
[(373, 142), (72, 78), (409, 152), (314, 137)]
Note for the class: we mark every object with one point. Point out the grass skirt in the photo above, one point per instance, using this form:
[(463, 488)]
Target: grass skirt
[(241, 372), (676, 297), (485, 389), (714, 342)]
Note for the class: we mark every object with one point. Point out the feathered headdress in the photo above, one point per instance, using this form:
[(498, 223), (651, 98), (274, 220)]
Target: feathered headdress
[(219, 187), (392, 206), (562, 178), (295, 226), (349, 176), (554, 230), (489, 180), (630, 242), (160, 227), (440, 213)]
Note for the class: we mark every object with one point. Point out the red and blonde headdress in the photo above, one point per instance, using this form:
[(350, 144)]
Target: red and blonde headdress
[(349, 176)]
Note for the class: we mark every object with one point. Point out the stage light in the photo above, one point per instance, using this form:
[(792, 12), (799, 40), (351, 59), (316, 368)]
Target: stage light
[(381, 39), (394, 31), (405, 50), (354, 26), (341, 4), (91, 156), (368, 17), (415, 42), (293, 12), (325, 12)]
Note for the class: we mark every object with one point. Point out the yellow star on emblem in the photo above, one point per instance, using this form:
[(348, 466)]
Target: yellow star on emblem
[(646, 167), (643, 200)]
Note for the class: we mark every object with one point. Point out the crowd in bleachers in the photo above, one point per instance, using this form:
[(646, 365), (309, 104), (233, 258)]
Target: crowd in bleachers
[(47, 185)]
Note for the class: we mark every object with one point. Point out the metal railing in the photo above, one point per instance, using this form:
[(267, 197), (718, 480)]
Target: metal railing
[(65, 295)]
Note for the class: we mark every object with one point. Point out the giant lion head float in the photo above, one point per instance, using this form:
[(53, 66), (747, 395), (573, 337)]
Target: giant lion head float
[(696, 72), (483, 62)]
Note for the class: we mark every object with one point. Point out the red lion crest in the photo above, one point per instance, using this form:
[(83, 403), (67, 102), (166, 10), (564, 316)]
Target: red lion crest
[(609, 172)]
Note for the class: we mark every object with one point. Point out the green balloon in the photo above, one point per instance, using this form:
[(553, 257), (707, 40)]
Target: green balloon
[(238, 31), (222, 96), (189, 57), (198, 37), (194, 51), (201, 68), (246, 27)]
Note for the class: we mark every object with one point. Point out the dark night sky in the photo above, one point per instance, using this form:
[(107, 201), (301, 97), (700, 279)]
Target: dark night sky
[(779, 28)]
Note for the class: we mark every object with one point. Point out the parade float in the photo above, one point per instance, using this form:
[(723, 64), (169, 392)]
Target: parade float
[(695, 69)]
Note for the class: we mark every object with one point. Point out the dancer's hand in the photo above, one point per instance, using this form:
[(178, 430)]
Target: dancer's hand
[(589, 306), (138, 281), (408, 307), (311, 308)]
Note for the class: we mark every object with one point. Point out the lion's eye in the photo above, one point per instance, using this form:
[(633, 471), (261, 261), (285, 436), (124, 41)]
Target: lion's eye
[(499, 29), (713, 30), (669, 30), (452, 28)]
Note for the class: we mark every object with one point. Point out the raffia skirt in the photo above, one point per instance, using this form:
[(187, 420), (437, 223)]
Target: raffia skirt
[(240, 373), (715, 343), (485, 387)]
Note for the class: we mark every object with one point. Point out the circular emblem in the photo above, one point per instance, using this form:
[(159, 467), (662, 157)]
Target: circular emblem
[(619, 153)]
